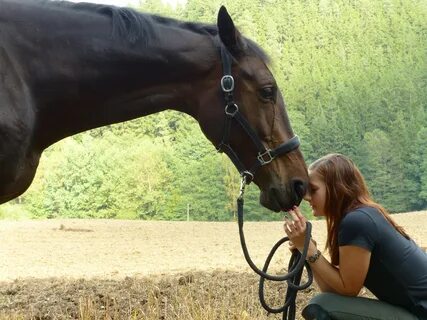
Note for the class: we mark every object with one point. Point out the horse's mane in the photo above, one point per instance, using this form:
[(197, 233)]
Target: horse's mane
[(134, 25)]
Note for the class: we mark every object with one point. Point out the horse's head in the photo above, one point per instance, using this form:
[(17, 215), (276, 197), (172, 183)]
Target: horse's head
[(252, 100)]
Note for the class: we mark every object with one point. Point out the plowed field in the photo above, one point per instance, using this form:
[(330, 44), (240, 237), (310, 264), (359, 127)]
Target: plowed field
[(86, 262)]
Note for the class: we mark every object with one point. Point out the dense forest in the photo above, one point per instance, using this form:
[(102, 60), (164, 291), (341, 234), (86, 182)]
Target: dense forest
[(353, 74)]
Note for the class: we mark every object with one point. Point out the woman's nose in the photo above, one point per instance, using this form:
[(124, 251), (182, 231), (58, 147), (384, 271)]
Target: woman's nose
[(307, 196)]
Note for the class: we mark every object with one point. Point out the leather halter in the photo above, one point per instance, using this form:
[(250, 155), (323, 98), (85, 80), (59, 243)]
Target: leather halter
[(265, 155)]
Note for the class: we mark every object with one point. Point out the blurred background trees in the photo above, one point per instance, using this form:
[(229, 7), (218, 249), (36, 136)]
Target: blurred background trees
[(353, 74)]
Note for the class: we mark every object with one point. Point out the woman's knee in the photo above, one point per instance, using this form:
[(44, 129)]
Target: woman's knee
[(324, 299), (356, 308), (315, 312)]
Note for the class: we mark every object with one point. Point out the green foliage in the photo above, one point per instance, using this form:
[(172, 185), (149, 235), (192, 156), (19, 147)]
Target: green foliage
[(354, 75), (101, 178), (13, 211), (421, 143)]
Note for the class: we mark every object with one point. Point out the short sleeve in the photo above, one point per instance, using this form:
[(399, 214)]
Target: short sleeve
[(357, 229)]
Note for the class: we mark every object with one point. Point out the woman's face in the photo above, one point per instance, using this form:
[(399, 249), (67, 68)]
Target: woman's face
[(316, 195)]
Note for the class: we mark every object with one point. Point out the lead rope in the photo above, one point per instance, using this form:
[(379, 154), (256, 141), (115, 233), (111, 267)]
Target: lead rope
[(295, 266)]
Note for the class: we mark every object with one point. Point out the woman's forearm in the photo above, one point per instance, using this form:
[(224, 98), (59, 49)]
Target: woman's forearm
[(326, 275), (323, 286)]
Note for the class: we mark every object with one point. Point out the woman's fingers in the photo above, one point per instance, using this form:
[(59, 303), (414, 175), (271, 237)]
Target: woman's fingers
[(298, 220), (295, 228), (295, 219), (289, 225), (300, 215), (290, 228), (287, 230), (295, 222)]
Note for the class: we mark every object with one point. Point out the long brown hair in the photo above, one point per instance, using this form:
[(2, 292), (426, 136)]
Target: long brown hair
[(346, 190)]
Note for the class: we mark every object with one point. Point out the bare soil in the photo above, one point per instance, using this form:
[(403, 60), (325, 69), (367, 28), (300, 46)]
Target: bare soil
[(57, 269)]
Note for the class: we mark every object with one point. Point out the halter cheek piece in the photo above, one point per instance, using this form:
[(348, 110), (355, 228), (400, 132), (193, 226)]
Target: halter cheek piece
[(265, 155)]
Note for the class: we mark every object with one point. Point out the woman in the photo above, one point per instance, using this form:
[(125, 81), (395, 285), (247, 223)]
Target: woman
[(367, 248)]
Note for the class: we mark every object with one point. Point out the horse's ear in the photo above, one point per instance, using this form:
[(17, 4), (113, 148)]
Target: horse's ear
[(228, 33)]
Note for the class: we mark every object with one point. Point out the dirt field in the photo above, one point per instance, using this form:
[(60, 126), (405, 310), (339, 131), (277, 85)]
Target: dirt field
[(80, 254), (114, 249)]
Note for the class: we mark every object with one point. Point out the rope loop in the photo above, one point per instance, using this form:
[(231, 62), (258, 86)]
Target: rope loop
[(296, 266)]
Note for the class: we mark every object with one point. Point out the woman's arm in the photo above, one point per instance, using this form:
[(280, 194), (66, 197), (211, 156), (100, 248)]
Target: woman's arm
[(323, 286), (348, 279)]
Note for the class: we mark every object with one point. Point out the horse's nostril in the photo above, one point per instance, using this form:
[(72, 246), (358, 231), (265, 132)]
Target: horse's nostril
[(300, 188)]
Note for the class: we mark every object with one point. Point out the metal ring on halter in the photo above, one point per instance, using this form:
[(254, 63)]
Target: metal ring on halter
[(231, 114), (227, 83), (261, 157), (247, 174)]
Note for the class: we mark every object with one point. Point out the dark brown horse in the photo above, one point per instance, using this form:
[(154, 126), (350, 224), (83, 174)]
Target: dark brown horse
[(66, 68)]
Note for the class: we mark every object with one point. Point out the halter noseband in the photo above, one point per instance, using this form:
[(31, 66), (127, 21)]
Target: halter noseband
[(265, 155)]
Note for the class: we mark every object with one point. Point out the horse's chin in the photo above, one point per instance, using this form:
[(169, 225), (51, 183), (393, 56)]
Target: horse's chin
[(276, 200)]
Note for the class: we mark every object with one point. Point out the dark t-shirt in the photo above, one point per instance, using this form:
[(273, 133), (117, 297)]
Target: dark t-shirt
[(398, 268)]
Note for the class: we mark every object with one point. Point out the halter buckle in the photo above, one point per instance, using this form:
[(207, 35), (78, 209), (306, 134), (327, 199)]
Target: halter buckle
[(227, 83), (265, 158), (231, 113)]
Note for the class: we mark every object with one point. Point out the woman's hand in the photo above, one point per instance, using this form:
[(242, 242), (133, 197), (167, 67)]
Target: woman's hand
[(295, 227)]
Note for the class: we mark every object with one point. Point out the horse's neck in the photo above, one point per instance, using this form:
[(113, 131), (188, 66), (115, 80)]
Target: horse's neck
[(92, 83)]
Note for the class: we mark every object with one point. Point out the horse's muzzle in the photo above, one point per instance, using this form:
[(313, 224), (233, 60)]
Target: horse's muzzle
[(283, 199)]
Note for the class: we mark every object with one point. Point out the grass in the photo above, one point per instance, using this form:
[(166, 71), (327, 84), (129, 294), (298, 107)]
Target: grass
[(220, 295)]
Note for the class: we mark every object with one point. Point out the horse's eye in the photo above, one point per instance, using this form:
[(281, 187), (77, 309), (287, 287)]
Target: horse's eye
[(268, 93)]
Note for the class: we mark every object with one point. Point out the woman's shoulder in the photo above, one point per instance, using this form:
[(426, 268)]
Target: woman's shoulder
[(362, 213), (366, 217), (359, 227), (361, 218), (368, 210)]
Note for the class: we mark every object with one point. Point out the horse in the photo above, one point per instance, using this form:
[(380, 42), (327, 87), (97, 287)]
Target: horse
[(69, 67)]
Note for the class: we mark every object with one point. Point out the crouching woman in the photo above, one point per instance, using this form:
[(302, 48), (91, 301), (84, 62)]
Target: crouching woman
[(367, 248)]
